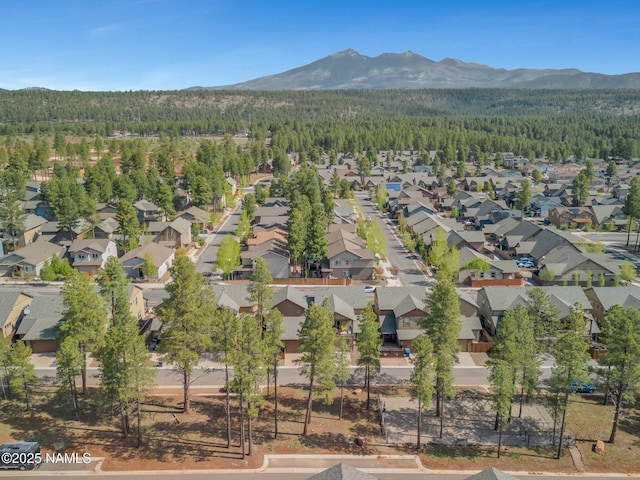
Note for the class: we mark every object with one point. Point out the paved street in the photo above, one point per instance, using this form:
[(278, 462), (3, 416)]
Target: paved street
[(207, 257), (210, 377), (409, 270)]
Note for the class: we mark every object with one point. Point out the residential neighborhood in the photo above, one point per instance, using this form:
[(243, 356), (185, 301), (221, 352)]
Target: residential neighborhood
[(376, 250)]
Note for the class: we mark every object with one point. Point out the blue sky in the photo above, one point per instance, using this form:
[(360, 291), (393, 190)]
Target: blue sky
[(173, 44)]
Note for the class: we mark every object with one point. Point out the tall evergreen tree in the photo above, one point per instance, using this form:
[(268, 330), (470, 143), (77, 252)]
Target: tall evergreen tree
[(249, 371), (317, 346), (69, 367), (224, 331), (342, 364), (260, 290), (571, 362), (442, 324), (421, 378), (632, 205), (369, 342), (129, 226), (85, 317), (501, 378), (21, 371), (186, 315), (273, 345), (621, 339), (114, 287)]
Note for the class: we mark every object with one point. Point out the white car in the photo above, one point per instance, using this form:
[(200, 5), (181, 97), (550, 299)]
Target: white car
[(369, 289)]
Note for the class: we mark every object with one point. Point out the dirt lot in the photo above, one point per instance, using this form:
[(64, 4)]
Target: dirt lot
[(175, 440)]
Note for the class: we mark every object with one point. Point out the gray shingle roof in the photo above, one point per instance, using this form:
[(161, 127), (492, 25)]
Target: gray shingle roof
[(290, 293), (42, 321), (341, 471), (389, 297), (492, 473), (623, 296)]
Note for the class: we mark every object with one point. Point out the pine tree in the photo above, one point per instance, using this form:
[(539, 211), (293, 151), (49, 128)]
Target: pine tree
[(186, 315), (317, 346), (69, 367), (343, 362), (545, 316), (249, 368), (442, 324), (129, 226), (524, 196), (224, 333), (114, 287), (369, 342), (21, 372), (260, 290), (571, 362), (421, 378), (502, 383), (85, 317), (274, 345), (621, 340)]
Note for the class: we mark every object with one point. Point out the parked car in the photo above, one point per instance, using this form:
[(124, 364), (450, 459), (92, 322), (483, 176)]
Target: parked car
[(20, 455), (524, 263), (578, 386), (369, 289)]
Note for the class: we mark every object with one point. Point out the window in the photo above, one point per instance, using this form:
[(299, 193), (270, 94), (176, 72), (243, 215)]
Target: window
[(94, 255), (406, 321), (338, 263), (493, 274)]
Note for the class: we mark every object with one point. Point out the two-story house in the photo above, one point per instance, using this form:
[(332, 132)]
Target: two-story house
[(348, 256), (90, 255), (566, 217)]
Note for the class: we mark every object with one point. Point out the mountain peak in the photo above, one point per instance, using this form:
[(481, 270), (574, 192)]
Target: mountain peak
[(349, 69), (349, 52)]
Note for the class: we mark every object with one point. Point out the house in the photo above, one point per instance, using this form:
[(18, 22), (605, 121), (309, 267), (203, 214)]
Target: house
[(292, 303), (348, 256), (346, 303), (541, 204), (473, 239), (566, 217), (234, 297), (40, 323), (148, 212), (12, 308), (32, 225), (273, 251), (28, 261), (262, 236), (609, 217), (89, 255), (197, 216), (105, 229), (603, 298), (567, 264), (40, 208), (407, 301), (137, 302), (175, 234), (499, 272), (161, 256), (493, 302)]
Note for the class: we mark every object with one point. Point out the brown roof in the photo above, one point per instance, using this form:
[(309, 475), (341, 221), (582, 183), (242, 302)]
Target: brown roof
[(266, 235)]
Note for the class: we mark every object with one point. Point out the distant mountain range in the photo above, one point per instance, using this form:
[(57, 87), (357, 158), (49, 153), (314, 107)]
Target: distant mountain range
[(351, 70)]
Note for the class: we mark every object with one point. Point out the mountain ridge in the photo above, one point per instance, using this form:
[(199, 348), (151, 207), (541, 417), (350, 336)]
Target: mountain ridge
[(349, 69)]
